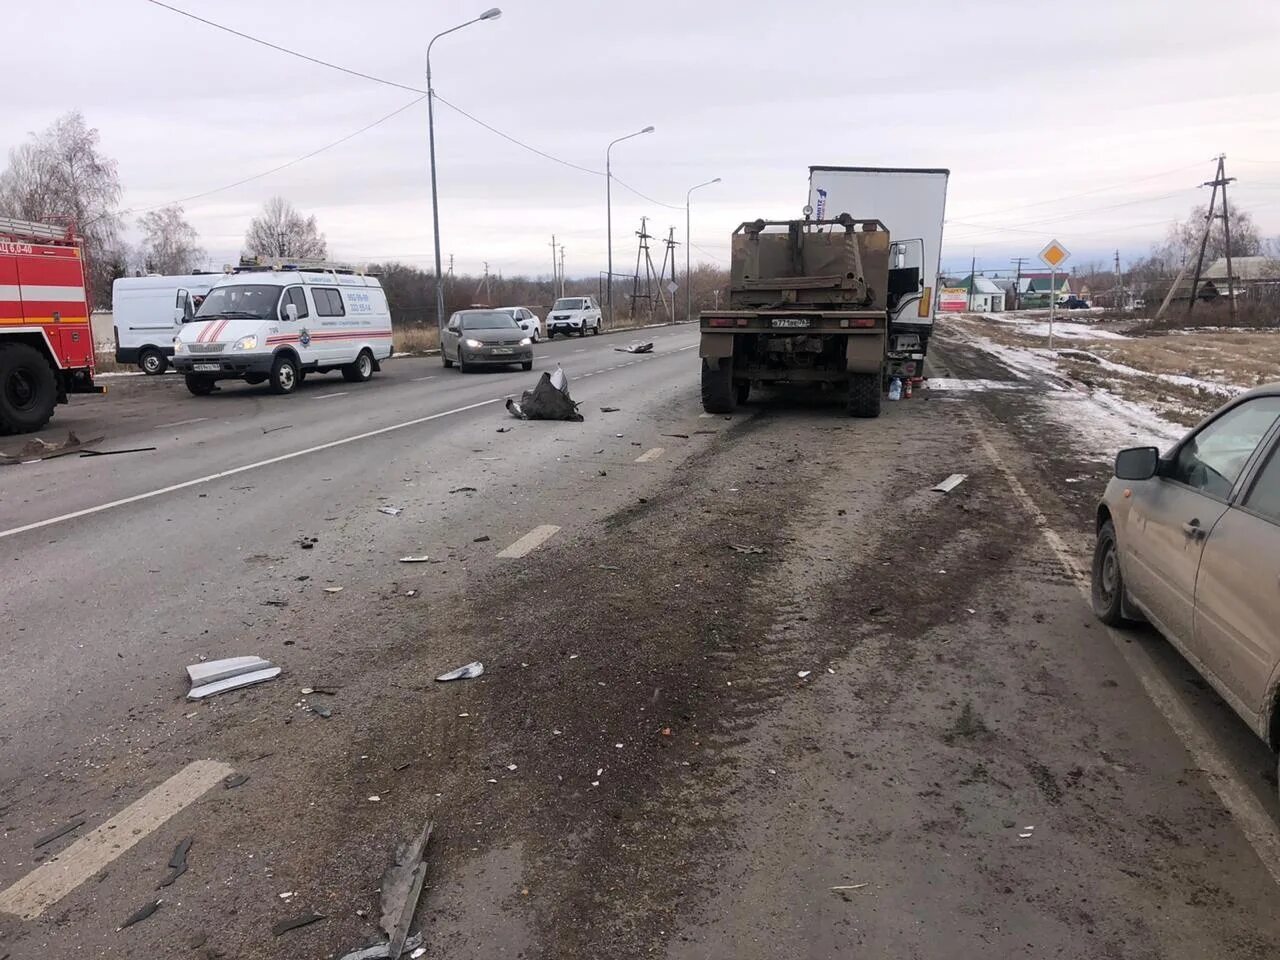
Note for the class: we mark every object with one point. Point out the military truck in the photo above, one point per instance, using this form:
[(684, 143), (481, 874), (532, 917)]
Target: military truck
[(809, 303)]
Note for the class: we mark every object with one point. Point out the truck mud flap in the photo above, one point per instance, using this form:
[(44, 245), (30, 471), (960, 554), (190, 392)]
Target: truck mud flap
[(716, 345), (865, 354)]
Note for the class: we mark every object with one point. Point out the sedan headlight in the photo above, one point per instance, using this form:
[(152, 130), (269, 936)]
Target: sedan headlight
[(246, 343), (473, 344), (527, 341)]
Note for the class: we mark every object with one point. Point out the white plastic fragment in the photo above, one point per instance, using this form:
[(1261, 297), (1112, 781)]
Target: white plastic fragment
[(803, 673), (230, 673), (949, 484), (467, 672)]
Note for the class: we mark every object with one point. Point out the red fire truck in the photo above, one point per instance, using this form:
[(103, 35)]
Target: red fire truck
[(46, 344)]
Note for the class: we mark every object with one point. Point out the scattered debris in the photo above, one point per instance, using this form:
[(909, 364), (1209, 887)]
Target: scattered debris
[(140, 914), (422, 559), (606, 566), (481, 539), (332, 589), (503, 430), (177, 862), (949, 484), (603, 473), (402, 887), (233, 780), (422, 950), (463, 490), (374, 798), (746, 548), (231, 673), (679, 436), (666, 731), (37, 449), (287, 426), (275, 603), (640, 346), (308, 543), (472, 670), (512, 767), (112, 453), (75, 823), (411, 593), (803, 673), (391, 511), (382, 951), (284, 926), (850, 886), (548, 400), (610, 409), (324, 713)]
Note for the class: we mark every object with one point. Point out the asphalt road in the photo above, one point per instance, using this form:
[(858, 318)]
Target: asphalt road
[(752, 691)]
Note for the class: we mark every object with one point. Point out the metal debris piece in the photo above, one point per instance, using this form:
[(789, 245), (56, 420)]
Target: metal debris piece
[(548, 400), (286, 426), (382, 951), (422, 559), (746, 548), (324, 713), (233, 780), (463, 490), (284, 926), (610, 409), (177, 862), (469, 672), (332, 589), (391, 511), (37, 449), (681, 436), (949, 484), (481, 539), (402, 887), (640, 346), (850, 886), (139, 915), (112, 453), (230, 673), (503, 430), (73, 824), (275, 603)]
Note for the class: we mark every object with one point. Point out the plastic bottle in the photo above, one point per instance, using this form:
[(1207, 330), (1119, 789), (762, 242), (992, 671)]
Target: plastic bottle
[(895, 388)]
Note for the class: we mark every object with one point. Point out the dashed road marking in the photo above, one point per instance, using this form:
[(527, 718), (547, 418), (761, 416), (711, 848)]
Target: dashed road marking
[(530, 541), (222, 474), (54, 879), (326, 396), (1254, 821), (581, 350), (181, 423), (648, 455)]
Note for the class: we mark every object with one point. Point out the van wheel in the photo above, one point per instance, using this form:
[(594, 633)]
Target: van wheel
[(361, 370), (285, 375), (153, 362), (717, 386), (200, 385), (28, 390), (864, 395)]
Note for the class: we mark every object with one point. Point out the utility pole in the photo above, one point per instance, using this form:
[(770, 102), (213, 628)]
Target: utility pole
[(643, 258), (668, 256), (973, 265), (451, 266), (1017, 283), (1220, 180), (1120, 297), (562, 269), (555, 270)]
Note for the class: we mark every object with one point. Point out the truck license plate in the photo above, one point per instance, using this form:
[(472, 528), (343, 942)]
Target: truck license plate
[(206, 367), (790, 322)]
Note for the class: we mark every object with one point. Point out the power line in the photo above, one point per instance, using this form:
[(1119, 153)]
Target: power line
[(292, 53), (519, 143), (669, 206), (706, 253)]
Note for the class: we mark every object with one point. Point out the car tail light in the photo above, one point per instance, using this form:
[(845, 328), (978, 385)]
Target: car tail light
[(720, 322)]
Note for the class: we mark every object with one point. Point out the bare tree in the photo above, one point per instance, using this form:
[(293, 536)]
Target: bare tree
[(1182, 242), (59, 176), (169, 241), (281, 231)]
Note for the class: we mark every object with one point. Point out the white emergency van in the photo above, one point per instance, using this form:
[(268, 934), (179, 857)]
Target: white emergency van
[(275, 322), (148, 312)]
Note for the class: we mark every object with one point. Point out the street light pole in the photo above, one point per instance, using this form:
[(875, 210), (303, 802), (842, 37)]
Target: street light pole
[(688, 242), (608, 213), (493, 13)]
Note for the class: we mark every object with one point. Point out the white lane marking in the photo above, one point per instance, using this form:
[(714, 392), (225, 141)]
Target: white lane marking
[(181, 423), (705, 416), (420, 379), (125, 501), (648, 455), (582, 350), (682, 349), (1254, 821), (326, 396), (542, 357), (530, 541), (54, 879)]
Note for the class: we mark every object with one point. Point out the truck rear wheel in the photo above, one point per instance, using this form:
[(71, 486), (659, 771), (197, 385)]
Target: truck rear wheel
[(717, 387), (28, 389), (864, 395)]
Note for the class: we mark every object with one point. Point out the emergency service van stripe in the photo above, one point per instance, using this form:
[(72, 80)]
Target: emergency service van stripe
[(34, 292), (10, 291)]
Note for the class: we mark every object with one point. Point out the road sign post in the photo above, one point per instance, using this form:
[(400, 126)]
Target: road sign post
[(672, 287), (1053, 256)]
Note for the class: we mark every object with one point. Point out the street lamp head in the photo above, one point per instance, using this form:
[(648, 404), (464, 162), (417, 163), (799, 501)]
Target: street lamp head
[(493, 13), (647, 130), (716, 180)]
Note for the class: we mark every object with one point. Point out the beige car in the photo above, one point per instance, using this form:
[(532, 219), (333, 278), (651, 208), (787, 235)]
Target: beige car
[(1191, 542)]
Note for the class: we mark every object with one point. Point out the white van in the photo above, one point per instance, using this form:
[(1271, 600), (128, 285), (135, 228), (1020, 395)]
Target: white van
[(149, 311), (276, 325)]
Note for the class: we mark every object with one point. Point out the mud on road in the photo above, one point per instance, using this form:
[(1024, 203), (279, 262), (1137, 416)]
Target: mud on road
[(887, 728)]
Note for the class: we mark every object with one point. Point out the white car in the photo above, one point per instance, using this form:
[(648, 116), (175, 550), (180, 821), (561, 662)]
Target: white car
[(526, 319), (577, 315), (275, 326)]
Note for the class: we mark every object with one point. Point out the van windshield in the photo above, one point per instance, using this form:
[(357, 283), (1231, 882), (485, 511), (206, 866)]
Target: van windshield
[(256, 301), (571, 303)]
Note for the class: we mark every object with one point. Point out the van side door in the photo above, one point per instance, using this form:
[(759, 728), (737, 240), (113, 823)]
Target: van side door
[(327, 337), (298, 327)]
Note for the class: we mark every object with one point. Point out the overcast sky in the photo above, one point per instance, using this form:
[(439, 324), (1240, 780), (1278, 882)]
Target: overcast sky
[(1028, 107)]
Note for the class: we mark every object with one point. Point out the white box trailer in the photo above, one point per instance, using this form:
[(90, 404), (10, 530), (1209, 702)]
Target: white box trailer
[(148, 312), (911, 202)]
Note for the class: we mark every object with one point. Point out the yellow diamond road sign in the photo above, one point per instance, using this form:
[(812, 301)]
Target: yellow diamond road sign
[(1055, 254)]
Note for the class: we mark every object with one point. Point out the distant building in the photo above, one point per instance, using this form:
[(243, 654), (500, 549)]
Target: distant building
[(983, 295), (1248, 274)]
